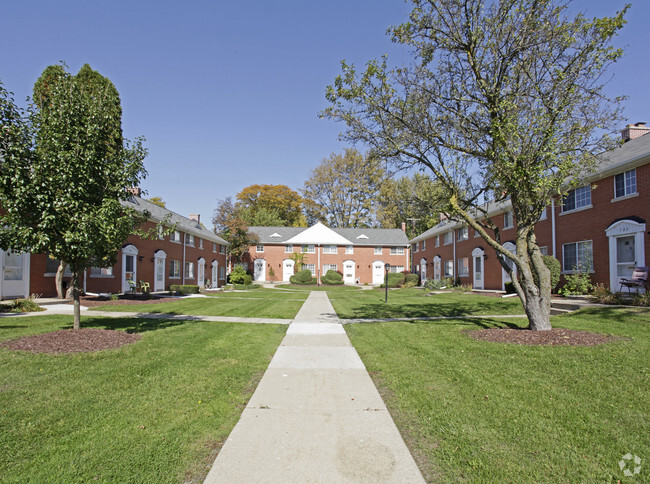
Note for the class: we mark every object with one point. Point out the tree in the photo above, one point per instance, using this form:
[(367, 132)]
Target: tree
[(65, 171), (503, 100), (157, 201), (272, 205), (229, 224), (416, 200), (344, 188)]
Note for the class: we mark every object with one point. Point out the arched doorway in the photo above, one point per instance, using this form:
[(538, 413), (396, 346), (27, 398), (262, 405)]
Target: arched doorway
[(626, 250), (505, 277), (159, 257), (215, 274), (287, 269), (259, 273), (129, 267), (436, 268), (378, 272), (423, 271), (349, 271), (478, 275), (200, 276)]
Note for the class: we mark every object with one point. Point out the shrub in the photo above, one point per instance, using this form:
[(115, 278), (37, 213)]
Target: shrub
[(578, 283), (438, 283), (239, 276), (413, 279), (602, 295), (246, 287), (395, 279), (332, 278), (26, 305), (510, 288), (303, 278), (184, 289), (555, 267)]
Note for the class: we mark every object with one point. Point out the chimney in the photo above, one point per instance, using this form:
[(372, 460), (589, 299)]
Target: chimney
[(443, 217), (404, 227), (634, 131), (196, 217), (136, 191)]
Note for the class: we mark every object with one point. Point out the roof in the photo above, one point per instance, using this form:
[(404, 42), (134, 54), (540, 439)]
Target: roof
[(183, 224), (358, 237)]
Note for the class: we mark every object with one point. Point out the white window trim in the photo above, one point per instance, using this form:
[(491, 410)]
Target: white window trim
[(578, 209), (462, 274), (257, 248), (571, 271), (288, 249), (170, 269), (378, 250), (172, 237), (512, 218), (349, 249)]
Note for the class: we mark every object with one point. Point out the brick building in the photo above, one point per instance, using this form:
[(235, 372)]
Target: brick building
[(600, 226), (359, 255), (192, 254)]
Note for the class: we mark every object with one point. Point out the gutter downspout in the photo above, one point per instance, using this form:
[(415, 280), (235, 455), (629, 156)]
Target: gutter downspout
[(455, 275), (553, 224), (318, 268), (183, 242)]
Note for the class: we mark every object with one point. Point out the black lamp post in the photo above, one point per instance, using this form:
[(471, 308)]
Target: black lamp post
[(387, 267)]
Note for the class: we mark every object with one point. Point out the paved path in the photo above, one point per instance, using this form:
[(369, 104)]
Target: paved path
[(316, 416)]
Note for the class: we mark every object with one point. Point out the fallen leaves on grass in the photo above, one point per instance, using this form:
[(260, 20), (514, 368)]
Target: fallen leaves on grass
[(552, 337), (72, 341)]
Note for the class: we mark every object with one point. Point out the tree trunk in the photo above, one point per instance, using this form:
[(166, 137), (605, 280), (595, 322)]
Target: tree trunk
[(58, 280), (75, 297), (538, 308)]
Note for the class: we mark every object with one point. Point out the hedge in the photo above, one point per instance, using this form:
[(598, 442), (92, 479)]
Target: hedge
[(184, 289), (332, 278), (395, 279), (303, 278), (412, 279)]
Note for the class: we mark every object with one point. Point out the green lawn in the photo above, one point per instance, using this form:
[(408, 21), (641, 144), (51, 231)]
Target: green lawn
[(416, 303), (155, 411), (255, 304), (490, 412)]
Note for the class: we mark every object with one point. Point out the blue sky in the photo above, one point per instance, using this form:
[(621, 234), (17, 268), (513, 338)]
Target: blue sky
[(227, 94)]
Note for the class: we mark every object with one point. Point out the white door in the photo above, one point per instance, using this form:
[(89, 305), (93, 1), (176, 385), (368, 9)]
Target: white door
[(478, 267), (260, 270), (436, 268), (215, 274), (378, 272), (348, 271), (15, 274), (287, 269), (626, 250), (423, 271), (159, 276), (129, 267), (200, 279), (505, 277)]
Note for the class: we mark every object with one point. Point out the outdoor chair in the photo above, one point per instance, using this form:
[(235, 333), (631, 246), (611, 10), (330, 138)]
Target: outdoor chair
[(132, 286), (639, 279)]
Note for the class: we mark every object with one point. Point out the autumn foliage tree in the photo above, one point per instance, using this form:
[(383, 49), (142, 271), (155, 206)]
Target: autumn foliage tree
[(504, 100)]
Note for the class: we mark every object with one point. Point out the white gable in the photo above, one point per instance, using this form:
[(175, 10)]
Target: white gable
[(318, 234), (275, 235), (362, 236)]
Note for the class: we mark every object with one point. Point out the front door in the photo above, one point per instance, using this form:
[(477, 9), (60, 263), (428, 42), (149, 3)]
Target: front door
[(15, 274), (626, 250), (287, 269), (348, 272), (378, 272), (436, 269), (201, 273), (159, 280), (423, 271), (260, 270), (478, 272), (215, 274), (625, 257)]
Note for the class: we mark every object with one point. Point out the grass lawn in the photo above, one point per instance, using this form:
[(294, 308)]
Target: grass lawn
[(415, 303), (491, 412), (329, 289), (260, 303), (153, 411)]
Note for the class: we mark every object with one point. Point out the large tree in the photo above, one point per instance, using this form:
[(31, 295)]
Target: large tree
[(416, 201), (504, 100), (343, 189), (271, 205), (65, 171), (229, 224)]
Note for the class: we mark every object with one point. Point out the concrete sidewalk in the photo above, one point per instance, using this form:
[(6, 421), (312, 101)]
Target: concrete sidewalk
[(316, 415)]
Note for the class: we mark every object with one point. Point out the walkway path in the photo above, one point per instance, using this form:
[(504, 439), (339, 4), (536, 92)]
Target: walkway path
[(316, 415)]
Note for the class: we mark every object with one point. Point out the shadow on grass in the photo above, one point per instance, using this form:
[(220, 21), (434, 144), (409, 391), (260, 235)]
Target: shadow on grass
[(455, 309), (614, 313), (477, 323), (132, 325)]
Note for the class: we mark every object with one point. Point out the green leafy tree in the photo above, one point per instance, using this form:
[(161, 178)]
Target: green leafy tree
[(65, 171), (504, 99), (157, 201), (416, 200), (271, 205), (343, 189), (229, 224)]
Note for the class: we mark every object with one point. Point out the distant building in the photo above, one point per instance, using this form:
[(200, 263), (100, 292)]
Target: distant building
[(359, 255), (600, 225), (192, 254)]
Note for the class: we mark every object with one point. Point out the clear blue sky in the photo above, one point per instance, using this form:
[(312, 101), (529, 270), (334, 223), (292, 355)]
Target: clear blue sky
[(227, 93)]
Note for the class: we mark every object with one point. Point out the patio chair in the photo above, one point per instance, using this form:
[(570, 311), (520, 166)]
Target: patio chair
[(639, 279), (132, 286)]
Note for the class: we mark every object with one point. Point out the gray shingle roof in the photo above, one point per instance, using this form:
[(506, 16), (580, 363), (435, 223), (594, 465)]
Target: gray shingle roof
[(629, 153), (182, 224), (374, 236)]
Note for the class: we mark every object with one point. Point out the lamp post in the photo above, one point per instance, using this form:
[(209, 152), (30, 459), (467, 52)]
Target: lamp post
[(387, 267)]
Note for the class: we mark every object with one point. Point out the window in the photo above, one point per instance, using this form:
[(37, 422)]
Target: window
[(378, 250), (329, 267), (397, 251), (577, 256), (437, 241), (189, 270), (508, 220), (101, 271), (424, 244), (161, 232), (329, 249), (396, 269), (447, 238), (222, 272), (542, 216), (309, 249), (311, 267), (625, 183), (175, 237), (214, 246), (449, 268), (414, 247), (222, 249), (288, 249), (578, 198), (200, 243), (189, 240), (174, 269), (259, 248), (544, 250), (462, 233), (52, 265), (463, 267), (349, 249)]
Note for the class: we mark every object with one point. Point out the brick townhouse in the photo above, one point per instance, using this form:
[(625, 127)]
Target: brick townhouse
[(600, 226), (191, 254), (359, 255)]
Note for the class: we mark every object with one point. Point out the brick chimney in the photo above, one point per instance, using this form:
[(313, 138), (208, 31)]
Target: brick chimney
[(135, 191), (404, 227), (196, 217), (634, 131)]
